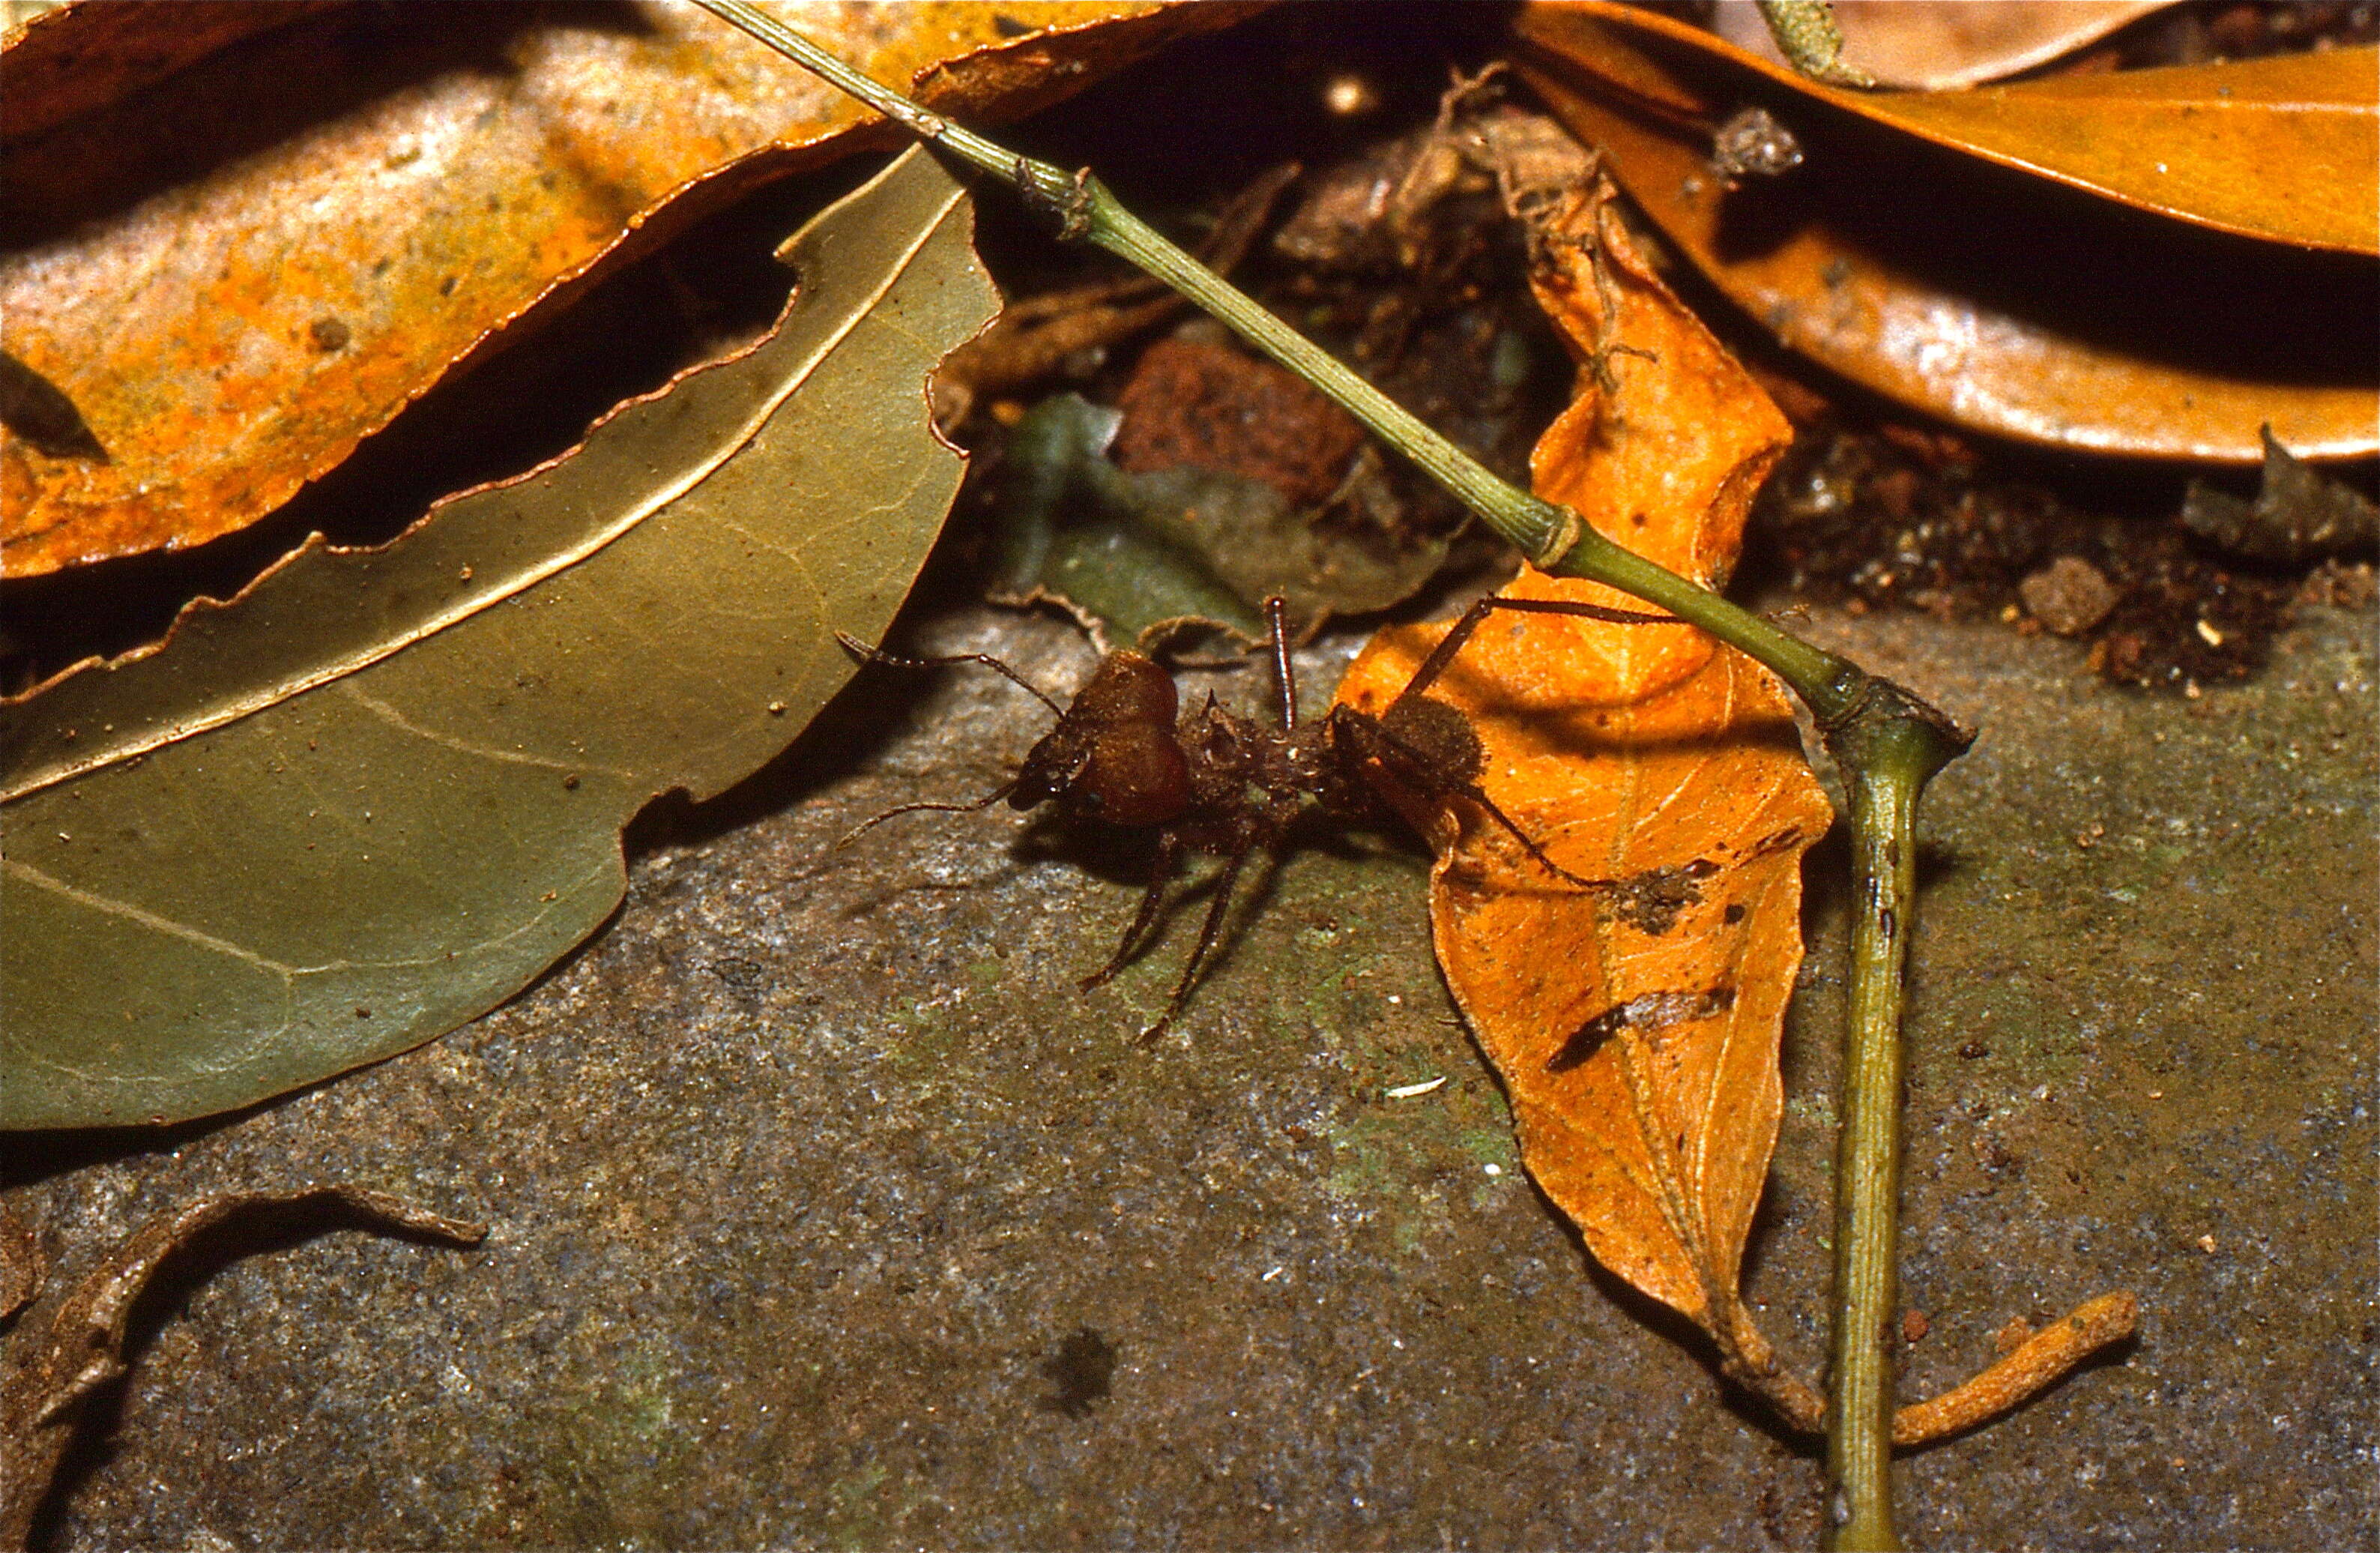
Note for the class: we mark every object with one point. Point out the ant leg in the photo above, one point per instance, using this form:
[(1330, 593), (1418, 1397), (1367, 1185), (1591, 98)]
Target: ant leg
[(1443, 653), (985, 802), (1285, 677), (1168, 856), (1208, 932), (867, 654)]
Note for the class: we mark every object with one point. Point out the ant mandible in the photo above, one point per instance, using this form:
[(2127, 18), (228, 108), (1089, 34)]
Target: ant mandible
[(1122, 754)]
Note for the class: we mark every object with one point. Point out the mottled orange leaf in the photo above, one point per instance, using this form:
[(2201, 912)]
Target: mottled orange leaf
[(1987, 255), (237, 270), (1636, 1026)]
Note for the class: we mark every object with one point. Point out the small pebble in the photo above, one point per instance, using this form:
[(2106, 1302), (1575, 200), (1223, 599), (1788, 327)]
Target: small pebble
[(2069, 596)]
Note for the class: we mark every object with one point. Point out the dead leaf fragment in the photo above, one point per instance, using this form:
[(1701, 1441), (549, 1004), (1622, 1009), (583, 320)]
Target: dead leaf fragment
[(2298, 514), (2029, 1363), (235, 286), (1936, 46), (56, 1364), (1974, 254), (2286, 148), (1192, 403), (1636, 1025), (1640, 1050), (382, 789), (84, 54)]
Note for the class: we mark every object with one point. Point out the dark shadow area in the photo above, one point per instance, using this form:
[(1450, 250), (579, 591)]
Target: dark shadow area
[(35, 1156), (1081, 1368)]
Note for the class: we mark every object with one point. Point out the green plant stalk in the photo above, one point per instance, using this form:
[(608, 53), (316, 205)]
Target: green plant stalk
[(1887, 740), (1886, 766)]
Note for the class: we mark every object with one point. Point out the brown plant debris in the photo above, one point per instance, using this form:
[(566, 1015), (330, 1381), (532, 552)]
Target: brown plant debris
[(60, 1357)]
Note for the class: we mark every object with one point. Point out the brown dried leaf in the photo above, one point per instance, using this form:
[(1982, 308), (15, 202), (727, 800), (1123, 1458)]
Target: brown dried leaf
[(1901, 257), (234, 286), (80, 1347), (1933, 47), (1636, 1027)]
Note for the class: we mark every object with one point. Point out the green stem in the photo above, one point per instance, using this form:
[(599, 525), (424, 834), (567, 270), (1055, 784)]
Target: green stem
[(1885, 766), (1887, 742)]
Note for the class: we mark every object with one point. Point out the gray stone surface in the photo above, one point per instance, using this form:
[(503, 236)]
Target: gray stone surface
[(802, 1170)]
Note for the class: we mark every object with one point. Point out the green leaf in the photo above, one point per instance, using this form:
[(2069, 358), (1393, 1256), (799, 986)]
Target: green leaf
[(382, 789)]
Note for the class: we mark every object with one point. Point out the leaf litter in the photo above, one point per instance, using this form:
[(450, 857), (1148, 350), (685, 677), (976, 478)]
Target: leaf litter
[(1977, 254), (256, 856), (1937, 47), (60, 1356)]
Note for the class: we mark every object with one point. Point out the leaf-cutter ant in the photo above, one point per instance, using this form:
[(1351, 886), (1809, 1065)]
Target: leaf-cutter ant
[(1211, 781)]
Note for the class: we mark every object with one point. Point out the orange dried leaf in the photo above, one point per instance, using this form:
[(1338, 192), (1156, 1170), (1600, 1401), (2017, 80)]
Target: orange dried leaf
[(234, 286), (1906, 255), (1636, 1026)]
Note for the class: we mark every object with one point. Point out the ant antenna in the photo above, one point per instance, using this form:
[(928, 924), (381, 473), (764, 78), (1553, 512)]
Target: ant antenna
[(1277, 611), (867, 654), (985, 802)]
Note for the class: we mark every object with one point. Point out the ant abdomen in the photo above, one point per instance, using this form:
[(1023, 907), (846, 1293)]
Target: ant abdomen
[(1127, 689)]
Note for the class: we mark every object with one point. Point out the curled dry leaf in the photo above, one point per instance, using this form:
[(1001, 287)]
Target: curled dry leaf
[(1933, 47), (1636, 1026), (55, 1365), (235, 287), (2282, 149), (67, 59), (382, 789), (1934, 246)]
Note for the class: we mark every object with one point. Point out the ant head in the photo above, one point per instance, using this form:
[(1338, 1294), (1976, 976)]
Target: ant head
[(1114, 755)]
